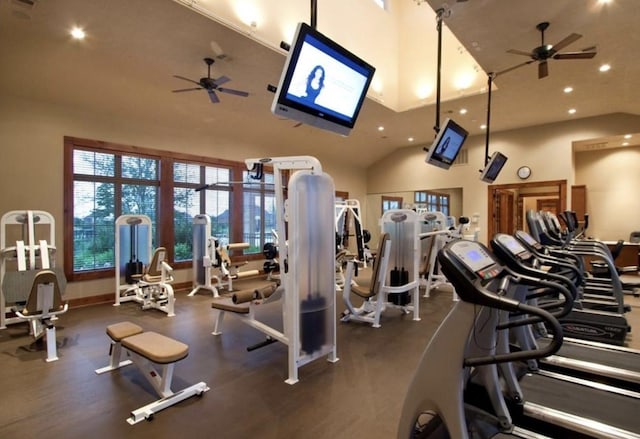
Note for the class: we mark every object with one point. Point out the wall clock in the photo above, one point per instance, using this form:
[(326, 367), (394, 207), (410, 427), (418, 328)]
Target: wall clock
[(524, 172)]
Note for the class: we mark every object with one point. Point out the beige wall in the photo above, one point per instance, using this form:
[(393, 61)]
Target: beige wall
[(612, 178), (31, 138), (547, 149), (31, 167)]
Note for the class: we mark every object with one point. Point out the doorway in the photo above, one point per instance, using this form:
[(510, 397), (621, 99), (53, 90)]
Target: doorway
[(508, 203)]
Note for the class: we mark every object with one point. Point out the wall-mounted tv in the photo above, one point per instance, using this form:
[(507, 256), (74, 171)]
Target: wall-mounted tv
[(322, 83), (493, 167), (447, 145)]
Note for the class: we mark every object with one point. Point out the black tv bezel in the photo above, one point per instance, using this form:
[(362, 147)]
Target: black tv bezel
[(312, 115), (438, 160), (485, 176)]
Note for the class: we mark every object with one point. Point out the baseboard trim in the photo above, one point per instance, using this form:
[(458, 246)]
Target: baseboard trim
[(109, 298)]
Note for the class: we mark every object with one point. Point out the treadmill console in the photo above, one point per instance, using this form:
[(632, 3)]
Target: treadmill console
[(529, 239), (513, 246), (475, 258)]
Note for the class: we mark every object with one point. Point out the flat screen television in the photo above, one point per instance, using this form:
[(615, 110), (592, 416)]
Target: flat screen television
[(447, 145), (322, 83), (493, 167)]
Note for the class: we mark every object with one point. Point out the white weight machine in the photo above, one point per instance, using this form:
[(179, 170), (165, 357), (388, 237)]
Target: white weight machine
[(208, 254), (437, 230), (395, 278), (31, 283), (146, 277), (307, 266), (346, 212)]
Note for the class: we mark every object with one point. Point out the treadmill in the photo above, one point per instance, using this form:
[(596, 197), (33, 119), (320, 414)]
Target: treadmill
[(582, 323), (591, 360), (436, 405), (549, 400)]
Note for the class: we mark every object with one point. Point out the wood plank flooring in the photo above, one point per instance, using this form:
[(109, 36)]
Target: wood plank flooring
[(360, 396)]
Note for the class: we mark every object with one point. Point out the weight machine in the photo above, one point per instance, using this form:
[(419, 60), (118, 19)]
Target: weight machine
[(31, 283), (151, 287), (437, 231), (349, 211), (209, 253), (402, 225), (307, 255)]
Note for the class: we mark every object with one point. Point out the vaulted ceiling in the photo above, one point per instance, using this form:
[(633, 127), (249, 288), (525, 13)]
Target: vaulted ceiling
[(134, 47)]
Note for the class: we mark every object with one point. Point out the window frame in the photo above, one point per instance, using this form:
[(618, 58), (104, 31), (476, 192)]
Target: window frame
[(164, 221), (422, 198)]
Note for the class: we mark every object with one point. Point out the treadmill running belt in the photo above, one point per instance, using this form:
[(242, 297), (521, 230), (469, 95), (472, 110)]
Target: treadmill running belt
[(601, 356), (609, 408)]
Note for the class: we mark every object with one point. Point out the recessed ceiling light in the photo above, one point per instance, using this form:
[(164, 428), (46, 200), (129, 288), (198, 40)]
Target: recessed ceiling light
[(572, 111), (410, 139), (77, 33), (605, 68), (568, 89), (625, 143), (380, 128), (483, 127), (627, 136), (463, 111)]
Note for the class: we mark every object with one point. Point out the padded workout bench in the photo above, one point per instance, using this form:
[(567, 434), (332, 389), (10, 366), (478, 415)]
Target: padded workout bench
[(148, 350)]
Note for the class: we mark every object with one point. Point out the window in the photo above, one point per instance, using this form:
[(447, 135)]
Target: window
[(215, 201), (103, 181), (106, 186), (433, 201), (389, 203)]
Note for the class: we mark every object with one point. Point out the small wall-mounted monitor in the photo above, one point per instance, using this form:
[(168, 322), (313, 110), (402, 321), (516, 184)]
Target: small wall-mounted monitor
[(322, 83), (447, 145), (493, 167)]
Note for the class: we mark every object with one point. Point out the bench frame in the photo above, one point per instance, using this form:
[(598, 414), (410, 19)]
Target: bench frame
[(158, 375)]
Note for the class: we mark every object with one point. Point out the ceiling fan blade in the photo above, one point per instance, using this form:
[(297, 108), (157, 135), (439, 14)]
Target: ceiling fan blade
[(233, 92), (221, 80), (564, 43), (519, 52), (543, 69), (502, 72), (186, 79), (297, 125), (213, 96), (575, 55), (186, 89)]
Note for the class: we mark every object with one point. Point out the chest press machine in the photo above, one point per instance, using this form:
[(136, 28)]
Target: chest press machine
[(307, 254), (150, 287), (31, 284)]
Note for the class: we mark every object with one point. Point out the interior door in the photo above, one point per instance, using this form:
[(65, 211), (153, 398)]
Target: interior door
[(504, 212)]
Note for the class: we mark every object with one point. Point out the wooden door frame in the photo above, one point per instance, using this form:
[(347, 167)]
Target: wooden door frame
[(561, 192)]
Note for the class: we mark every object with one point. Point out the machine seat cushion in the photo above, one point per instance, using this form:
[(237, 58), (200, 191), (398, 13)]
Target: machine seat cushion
[(118, 331), (362, 291), (156, 347), (225, 303)]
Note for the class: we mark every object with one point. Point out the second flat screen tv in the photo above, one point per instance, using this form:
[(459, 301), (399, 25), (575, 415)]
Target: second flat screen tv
[(493, 167), (322, 83), (447, 145)]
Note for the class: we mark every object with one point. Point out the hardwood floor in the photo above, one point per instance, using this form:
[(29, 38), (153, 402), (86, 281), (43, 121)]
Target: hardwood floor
[(360, 396)]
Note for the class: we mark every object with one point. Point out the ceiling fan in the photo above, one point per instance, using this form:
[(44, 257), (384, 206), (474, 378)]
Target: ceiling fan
[(544, 52), (210, 84)]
